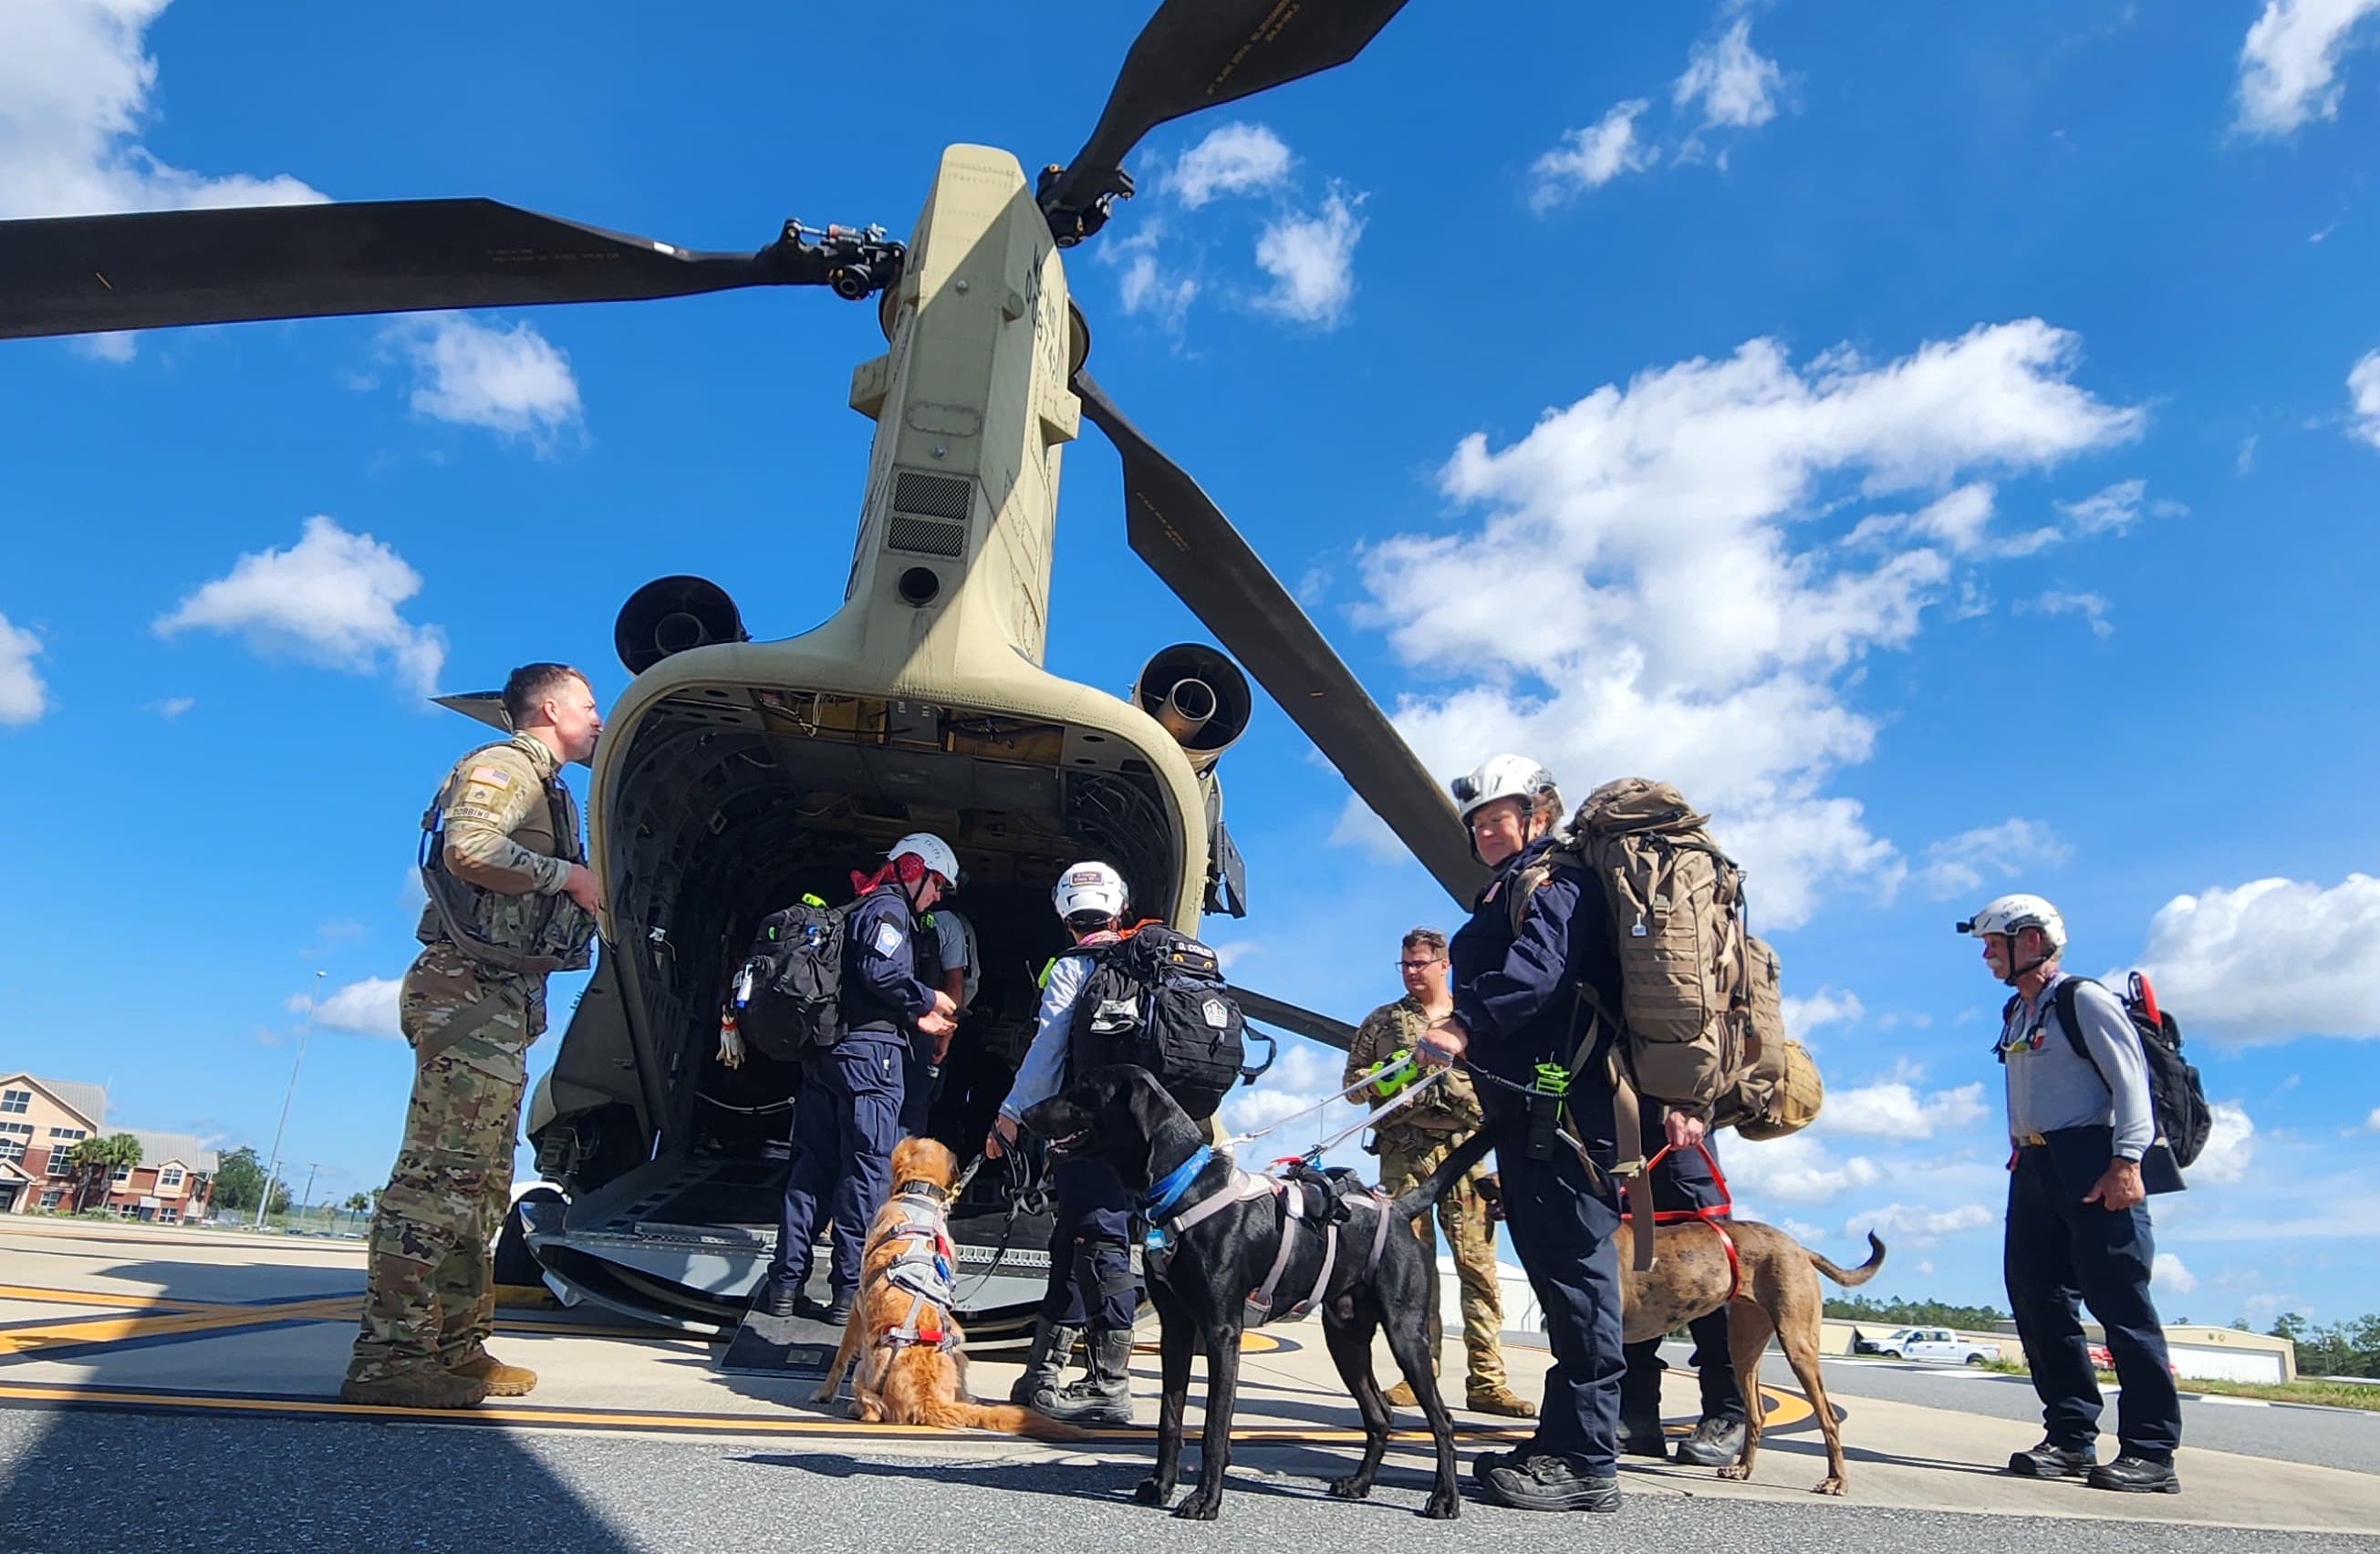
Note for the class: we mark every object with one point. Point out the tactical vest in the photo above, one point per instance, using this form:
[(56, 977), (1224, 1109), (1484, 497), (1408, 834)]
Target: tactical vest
[(529, 935)]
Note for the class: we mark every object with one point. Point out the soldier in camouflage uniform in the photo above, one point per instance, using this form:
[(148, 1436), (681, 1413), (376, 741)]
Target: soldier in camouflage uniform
[(511, 900), (1412, 1143)]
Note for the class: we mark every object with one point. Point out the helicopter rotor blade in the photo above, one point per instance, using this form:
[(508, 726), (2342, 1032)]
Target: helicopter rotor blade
[(155, 269), (1192, 547), (1198, 53), (1290, 1018)]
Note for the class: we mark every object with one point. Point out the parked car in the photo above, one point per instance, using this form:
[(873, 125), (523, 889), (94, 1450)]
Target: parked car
[(1929, 1343)]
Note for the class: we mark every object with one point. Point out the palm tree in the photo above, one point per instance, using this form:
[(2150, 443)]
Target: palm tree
[(96, 1159), (357, 1204)]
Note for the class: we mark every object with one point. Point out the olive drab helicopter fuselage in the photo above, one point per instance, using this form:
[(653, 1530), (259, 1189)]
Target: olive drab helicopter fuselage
[(735, 776)]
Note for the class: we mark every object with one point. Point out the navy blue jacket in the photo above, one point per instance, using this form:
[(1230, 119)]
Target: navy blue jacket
[(881, 991), (1518, 997)]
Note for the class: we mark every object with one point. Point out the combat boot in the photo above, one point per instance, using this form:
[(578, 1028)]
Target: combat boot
[(1104, 1396), (502, 1381), (1401, 1396), (1641, 1433), (1715, 1443), (426, 1387), (1045, 1367), (1495, 1397)]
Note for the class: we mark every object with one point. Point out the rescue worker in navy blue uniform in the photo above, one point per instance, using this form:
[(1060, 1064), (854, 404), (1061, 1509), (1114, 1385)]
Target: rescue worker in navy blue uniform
[(847, 1117), (1683, 1181), (2083, 1160), (1093, 1295), (1516, 1005)]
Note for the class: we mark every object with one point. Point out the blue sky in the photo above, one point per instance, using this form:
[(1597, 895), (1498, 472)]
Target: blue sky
[(1942, 440)]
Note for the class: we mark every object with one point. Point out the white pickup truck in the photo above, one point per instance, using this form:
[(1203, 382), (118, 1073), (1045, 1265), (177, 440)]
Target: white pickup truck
[(1930, 1343)]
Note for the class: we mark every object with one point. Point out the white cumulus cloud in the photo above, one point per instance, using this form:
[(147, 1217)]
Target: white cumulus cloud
[(1238, 158), (1736, 86), (1824, 1007), (1312, 261), (76, 80), (1148, 285), (2372, 1123), (1591, 157), (1904, 1224), (1799, 1169), (332, 598), (2231, 1145), (2288, 64), (2168, 1275), (514, 382), (1959, 865), (23, 696), (2271, 959), (365, 1008), (1673, 619), (2363, 394), (1897, 1109)]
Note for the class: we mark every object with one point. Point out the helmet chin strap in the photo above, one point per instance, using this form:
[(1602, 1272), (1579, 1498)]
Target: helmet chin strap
[(2016, 971)]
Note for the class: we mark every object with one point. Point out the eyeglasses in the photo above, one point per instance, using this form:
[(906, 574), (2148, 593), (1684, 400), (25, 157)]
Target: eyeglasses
[(1420, 965)]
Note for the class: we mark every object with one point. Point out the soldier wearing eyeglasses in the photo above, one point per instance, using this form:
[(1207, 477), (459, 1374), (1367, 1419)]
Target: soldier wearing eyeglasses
[(1413, 1142)]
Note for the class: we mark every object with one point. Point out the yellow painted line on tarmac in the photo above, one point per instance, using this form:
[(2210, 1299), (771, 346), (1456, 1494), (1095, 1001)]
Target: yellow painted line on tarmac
[(122, 1302), (119, 1329)]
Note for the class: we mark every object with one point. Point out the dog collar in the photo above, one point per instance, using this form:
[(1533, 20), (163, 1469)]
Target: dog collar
[(1162, 1195), (919, 1187)]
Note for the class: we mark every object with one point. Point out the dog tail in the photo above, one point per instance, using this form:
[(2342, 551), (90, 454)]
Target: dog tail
[(1852, 1277), (1465, 1155), (996, 1416)]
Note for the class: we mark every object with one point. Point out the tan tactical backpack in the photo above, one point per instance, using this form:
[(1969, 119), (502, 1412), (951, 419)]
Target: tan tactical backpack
[(1703, 1023)]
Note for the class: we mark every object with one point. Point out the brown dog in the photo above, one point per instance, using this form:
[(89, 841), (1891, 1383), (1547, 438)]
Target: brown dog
[(1775, 1281), (912, 1361)]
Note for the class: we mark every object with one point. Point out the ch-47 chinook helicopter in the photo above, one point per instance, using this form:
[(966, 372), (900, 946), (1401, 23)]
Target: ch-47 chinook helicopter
[(734, 775)]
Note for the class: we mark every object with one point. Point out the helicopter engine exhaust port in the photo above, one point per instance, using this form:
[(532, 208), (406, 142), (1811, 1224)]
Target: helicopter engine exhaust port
[(1198, 696), (671, 614)]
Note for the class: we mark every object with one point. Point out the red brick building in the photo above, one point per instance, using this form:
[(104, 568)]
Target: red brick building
[(42, 1120)]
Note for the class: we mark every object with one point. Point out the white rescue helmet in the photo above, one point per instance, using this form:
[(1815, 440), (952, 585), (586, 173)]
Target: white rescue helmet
[(931, 851), (2009, 914), (1499, 777), (1089, 886)]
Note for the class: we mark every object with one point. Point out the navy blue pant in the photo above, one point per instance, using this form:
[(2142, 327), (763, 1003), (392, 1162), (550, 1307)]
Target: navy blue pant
[(1683, 1181), (917, 1085), (845, 1121), (1562, 1230), (2059, 1247), (1091, 1283)]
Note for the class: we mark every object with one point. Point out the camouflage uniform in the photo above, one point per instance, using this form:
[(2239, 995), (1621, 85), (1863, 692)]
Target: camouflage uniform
[(511, 833), (1414, 1141)]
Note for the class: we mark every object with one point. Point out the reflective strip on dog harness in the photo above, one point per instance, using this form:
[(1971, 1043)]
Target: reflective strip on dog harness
[(921, 1270)]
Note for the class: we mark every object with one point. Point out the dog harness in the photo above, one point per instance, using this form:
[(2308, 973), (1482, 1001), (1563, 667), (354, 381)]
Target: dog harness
[(921, 1268), (1165, 1232), (1712, 1215)]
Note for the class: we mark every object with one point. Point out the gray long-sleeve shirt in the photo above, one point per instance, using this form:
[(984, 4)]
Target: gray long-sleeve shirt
[(2051, 1087)]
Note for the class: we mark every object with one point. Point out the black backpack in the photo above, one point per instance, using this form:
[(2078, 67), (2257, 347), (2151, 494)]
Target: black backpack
[(1156, 999), (2176, 1100), (789, 994)]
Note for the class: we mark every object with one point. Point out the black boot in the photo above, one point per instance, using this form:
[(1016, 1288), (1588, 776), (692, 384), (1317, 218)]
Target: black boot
[(1103, 1396), (2136, 1476), (1715, 1443), (2051, 1459), (835, 1312), (775, 1299), (1641, 1433), (1053, 1349)]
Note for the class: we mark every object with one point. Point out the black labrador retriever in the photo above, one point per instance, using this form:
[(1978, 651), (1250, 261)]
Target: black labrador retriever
[(1217, 1263)]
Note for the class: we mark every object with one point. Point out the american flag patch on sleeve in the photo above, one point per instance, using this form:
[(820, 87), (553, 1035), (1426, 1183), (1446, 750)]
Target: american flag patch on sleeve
[(495, 777)]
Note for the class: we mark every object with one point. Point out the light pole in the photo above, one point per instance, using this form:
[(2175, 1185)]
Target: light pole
[(264, 1199)]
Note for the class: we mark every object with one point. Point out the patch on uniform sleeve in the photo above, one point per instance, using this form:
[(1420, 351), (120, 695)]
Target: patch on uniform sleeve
[(887, 941), (496, 777)]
